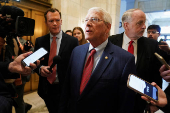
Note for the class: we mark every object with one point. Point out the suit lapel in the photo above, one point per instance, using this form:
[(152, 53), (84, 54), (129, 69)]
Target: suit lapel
[(63, 43), (80, 65), (140, 50), (47, 42), (100, 68)]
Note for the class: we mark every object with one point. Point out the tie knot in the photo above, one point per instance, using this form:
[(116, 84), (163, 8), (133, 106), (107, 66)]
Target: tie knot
[(92, 52), (54, 38), (131, 42)]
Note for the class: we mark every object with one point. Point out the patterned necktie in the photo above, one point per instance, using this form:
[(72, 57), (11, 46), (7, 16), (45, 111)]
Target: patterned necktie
[(130, 47), (53, 50), (87, 70)]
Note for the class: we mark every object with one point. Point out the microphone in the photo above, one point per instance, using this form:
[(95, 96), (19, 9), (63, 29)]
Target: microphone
[(56, 60)]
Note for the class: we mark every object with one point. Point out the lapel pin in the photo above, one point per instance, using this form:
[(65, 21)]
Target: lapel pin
[(106, 57)]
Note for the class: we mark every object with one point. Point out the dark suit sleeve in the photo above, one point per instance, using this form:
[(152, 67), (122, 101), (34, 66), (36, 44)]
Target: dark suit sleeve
[(37, 46), (4, 67), (126, 95)]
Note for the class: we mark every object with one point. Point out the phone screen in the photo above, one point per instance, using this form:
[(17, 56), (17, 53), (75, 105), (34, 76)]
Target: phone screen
[(143, 87), (34, 56)]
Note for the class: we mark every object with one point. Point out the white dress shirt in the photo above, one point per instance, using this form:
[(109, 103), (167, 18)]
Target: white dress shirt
[(99, 51), (125, 45)]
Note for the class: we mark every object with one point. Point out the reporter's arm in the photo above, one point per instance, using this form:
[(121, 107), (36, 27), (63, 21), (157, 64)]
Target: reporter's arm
[(165, 47), (17, 67), (163, 100)]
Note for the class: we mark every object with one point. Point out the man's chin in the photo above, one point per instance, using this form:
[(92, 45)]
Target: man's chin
[(150, 37)]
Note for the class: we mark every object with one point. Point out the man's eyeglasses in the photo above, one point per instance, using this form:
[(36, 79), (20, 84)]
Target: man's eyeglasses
[(93, 20), (153, 32)]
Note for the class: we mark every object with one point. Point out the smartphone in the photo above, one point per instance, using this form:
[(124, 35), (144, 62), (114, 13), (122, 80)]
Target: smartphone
[(161, 59), (142, 87), (160, 43), (32, 58)]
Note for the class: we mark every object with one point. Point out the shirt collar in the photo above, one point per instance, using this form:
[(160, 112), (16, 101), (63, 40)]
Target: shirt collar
[(127, 39), (100, 47), (59, 35)]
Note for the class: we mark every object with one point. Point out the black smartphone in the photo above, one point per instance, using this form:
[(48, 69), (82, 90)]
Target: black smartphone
[(142, 87), (32, 58), (160, 43)]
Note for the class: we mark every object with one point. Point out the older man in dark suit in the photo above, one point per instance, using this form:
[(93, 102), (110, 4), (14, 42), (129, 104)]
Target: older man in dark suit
[(97, 77), (56, 43), (147, 65)]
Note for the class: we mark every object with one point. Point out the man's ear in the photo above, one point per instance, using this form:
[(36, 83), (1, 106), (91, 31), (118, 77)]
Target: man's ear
[(46, 22), (125, 24), (61, 21), (108, 27)]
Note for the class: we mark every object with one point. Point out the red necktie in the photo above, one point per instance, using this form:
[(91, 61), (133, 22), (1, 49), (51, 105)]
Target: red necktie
[(53, 50), (87, 70), (130, 47)]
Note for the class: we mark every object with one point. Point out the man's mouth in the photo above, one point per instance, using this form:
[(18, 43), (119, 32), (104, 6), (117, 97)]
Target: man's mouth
[(150, 37)]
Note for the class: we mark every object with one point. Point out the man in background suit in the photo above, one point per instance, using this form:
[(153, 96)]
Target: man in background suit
[(49, 90), (98, 83), (147, 65)]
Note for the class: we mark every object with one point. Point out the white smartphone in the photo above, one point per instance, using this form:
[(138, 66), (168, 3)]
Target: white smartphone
[(32, 58), (142, 87)]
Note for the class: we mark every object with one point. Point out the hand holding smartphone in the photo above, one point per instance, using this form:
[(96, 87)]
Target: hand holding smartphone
[(161, 59), (32, 58), (142, 87)]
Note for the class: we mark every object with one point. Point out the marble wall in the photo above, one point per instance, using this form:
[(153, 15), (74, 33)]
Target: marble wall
[(74, 11)]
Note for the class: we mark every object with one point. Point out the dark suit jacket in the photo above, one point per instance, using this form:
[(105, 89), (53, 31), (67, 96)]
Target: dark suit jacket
[(106, 91), (147, 65), (68, 43)]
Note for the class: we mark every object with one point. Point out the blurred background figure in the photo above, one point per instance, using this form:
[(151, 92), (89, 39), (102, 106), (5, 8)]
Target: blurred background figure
[(153, 32), (79, 34), (69, 32)]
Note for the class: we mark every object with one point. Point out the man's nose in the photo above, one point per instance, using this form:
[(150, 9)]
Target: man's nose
[(55, 22), (144, 26)]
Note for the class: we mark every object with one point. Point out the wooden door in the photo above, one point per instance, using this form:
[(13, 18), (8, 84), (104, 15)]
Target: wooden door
[(40, 30)]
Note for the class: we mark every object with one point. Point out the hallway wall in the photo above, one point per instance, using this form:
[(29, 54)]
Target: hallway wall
[(74, 11)]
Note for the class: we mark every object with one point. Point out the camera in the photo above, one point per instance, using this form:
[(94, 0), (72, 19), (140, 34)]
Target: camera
[(12, 21)]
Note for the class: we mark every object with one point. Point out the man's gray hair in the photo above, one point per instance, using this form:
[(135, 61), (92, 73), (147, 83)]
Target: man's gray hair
[(106, 16), (127, 16)]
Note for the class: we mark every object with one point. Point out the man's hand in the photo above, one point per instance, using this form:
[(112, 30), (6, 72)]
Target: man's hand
[(44, 71), (162, 102), (17, 67), (165, 73), (164, 46)]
